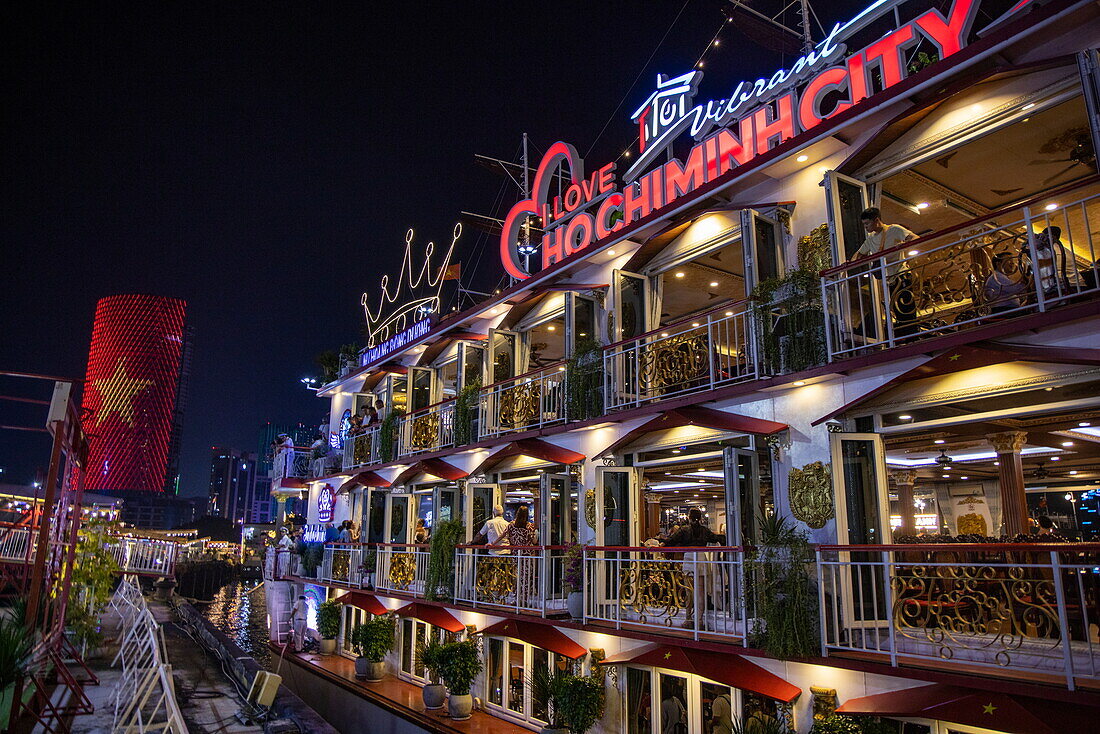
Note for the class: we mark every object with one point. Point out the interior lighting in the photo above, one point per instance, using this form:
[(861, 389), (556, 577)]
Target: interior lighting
[(664, 333), (1073, 472), (729, 313), (1056, 458), (922, 205), (938, 440), (964, 477), (714, 284), (611, 252), (679, 273), (913, 253), (799, 383), (551, 328), (1067, 443), (1084, 424), (1028, 106), (905, 417), (802, 158), (695, 324), (1051, 206), (946, 476)]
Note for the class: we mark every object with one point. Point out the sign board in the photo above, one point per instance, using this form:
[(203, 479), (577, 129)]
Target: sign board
[(395, 343), (326, 502)]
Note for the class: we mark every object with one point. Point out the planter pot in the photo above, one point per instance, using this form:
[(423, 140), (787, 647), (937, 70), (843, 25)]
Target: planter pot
[(460, 707), (362, 668), (375, 671), (548, 730), (575, 603), (435, 695), (328, 647)]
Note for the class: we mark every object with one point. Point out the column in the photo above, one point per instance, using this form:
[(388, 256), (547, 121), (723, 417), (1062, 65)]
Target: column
[(652, 514), (1013, 500), (904, 479), (280, 512)]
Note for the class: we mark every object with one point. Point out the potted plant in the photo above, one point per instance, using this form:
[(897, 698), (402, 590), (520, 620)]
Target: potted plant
[(581, 703), (547, 686), (428, 654), (328, 625), (459, 665), (440, 580), (573, 577), (780, 591), (371, 641)]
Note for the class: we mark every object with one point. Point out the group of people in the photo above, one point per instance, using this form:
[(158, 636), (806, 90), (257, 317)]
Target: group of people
[(367, 418), (499, 532)]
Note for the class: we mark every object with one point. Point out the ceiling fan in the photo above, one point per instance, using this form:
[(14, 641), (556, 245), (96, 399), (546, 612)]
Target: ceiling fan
[(1076, 143)]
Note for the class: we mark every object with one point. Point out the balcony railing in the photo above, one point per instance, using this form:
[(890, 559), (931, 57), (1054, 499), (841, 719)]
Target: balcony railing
[(348, 564), (522, 579), (291, 464), (17, 543), (401, 567), (699, 593), (1025, 608), (1022, 259), (428, 429), (695, 355), (362, 449), (533, 400), (144, 556)]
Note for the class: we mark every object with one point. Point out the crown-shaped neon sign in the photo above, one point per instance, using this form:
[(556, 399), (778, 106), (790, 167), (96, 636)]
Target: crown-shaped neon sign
[(414, 295)]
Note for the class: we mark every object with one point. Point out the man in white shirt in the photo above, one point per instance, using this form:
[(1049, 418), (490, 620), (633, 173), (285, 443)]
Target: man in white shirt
[(493, 529), (880, 238)]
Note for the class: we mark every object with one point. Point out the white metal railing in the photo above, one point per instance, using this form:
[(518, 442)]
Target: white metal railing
[(698, 354), (1025, 608), (280, 564), (532, 400), (1022, 259), (401, 567), (145, 696), (144, 556), (362, 449), (527, 580), (347, 564), (17, 544), (291, 463), (428, 429), (699, 592)]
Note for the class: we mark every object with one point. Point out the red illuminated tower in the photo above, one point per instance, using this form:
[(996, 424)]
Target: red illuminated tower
[(137, 369)]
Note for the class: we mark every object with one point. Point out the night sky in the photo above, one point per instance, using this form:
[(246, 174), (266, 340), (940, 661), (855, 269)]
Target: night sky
[(263, 161)]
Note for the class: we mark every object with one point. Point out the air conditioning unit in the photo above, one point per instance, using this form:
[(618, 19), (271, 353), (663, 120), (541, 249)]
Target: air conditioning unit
[(264, 687)]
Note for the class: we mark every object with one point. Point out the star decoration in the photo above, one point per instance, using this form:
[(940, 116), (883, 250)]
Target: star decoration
[(989, 708), (668, 655), (953, 357), (117, 394)]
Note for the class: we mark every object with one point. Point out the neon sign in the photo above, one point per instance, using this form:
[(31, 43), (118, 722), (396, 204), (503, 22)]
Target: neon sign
[(326, 502), (370, 355), (752, 120)]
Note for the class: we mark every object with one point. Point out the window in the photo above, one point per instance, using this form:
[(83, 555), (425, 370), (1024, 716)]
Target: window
[(352, 617), (507, 683), (414, 633)]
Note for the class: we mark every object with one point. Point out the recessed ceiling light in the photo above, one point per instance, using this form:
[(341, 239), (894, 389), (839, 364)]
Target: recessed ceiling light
[(946, 476), (1084, 423), (905, 417), (802, 158), (1056, 458), (996, 463), (1048, 389), (964, 477), (1067, 443), (799, 383), (664, 333), (714, 284), (1051, 206), (938, 440), (610, 252), (913, 253), (1073, 471), (922, 205), (729, 313), (695, 324), (676, 451), (552, 328), (679, 273)]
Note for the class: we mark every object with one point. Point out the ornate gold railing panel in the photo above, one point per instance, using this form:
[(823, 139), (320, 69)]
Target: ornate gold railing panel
[(674, 361), (425, 431), (519, 404), (402, 570), (655, 589), (341, 564), (496, 579)]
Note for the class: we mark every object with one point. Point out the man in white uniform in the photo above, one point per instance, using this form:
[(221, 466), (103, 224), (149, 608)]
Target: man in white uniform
[(880, 238)]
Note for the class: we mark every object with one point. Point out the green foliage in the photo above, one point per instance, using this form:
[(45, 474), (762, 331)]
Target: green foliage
[(428, 653), (439, 582), (757, 726), (836, 724), (465, 410), (459, 665), (312, 555), (921, 60), (15, 647), (584, 381), (349, 352), (328, 619), (387, 435), (329, 363), (547, 686), (95, 571), (780, 591), (581, 703), (374, 638), (790, 322), (573, 567)]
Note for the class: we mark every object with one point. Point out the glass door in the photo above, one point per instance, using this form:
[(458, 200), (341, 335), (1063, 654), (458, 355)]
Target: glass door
[(558, 523), (397, 518), (762, 245), (580, 321), (420, 392), (504, 353), (743, 506), (446, 501), (846, 198), (862, 518), (616, 506), (630, 306), (481, 498)]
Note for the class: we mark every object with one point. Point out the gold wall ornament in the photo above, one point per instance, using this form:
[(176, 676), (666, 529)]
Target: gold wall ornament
[(341, 565), (590, 508), (425, 429), (810, 494), (402, 570), (777, 442), (825, 702), (597, 655), (495, 580), (657, 590), (814, 250), (519, 404), (673, 361)]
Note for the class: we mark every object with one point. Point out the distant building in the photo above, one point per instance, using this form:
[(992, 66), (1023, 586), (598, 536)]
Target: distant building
[(159, 511), (302, 434), (233, 487)]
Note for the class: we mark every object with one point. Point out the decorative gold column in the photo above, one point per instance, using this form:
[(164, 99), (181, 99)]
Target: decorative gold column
[(652, 514), (904, 479), (1013, 499)]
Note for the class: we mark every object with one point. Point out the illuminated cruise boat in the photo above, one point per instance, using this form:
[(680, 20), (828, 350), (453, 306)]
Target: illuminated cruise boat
[(791, 416)]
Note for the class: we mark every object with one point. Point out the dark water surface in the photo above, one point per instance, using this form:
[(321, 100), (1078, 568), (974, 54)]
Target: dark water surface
[(239, 610)]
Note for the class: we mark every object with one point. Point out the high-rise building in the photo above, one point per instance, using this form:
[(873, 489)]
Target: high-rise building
[(137, 374), (232, 483), (302, 435)]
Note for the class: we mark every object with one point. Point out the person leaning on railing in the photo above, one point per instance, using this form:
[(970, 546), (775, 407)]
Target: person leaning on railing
[(694, 535), (882, 237)]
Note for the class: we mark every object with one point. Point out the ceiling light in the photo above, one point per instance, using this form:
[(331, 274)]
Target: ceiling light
[(1067, 443), (1028, 106), (729, 313), (714, 284), (799, 383), (1083, 424), (695, 324), (664, 333), (946, 476), (610, 252), (938, 440), (996, 463), (1073, 472), (1048, 389), (676, 451), (552, 328), (905, 417), (679, 273), (802, 158), (1056, 458), (964, 477), (913, 253), (1051, 206), (922, 205)]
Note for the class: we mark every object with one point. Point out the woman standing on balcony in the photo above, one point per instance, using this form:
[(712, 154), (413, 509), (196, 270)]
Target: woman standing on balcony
[(521, 532), (695, 535)]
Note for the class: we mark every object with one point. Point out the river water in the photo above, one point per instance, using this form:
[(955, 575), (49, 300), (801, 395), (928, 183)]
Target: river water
[(239, 610)]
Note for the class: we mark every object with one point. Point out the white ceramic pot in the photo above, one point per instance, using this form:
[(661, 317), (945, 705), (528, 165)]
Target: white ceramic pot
[(376, 671), (460, 707), (575, 604), (328, 647)]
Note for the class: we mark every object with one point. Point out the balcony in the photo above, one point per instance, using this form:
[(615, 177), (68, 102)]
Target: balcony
[(428, 429), (1018, 260), (681, 591), (347, 564), (17, 543), (1025, 609), (695, 355), (291, 464), (522, 580), (362, 449), (401, 568), (144, 556), (533, 400)]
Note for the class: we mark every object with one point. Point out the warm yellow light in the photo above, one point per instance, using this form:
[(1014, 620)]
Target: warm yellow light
[(679, 273), (799, 383), (714, 284), (802, 158), (1051, 206), (914, 252), (938, 440), (551, 328), (922, 205), (611, 252), (1067, 443)]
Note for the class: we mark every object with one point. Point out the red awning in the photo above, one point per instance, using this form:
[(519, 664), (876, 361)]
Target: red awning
[(363, 479), (434, 467), (366, 602), (733, 670), (537, 634), (697, 416), (971, 356), (435, 616), (972, 707), (536, 448)]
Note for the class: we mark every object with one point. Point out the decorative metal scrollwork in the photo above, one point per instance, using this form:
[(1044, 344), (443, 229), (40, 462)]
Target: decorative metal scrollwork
[(496, 579), (519, 404), (590, 508), (425, 429), (653, 589), (341, 564), (811, 494), (674, 361), (402, 570)]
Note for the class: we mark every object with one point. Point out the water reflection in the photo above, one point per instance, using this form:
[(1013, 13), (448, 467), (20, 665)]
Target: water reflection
[(239, 610)]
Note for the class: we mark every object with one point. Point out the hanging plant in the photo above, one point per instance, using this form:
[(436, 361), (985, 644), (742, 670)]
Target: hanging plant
[(584, 380), (790, 322), (465, 411), (387, 435), (780, 591), (439, 582)]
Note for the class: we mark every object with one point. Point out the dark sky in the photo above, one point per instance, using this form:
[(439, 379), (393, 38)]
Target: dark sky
[(263, 161)]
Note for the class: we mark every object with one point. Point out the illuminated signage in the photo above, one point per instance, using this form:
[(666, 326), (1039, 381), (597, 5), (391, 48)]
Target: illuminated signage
[(396, 342), (313, 534), (326, 501), (730, 132)]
